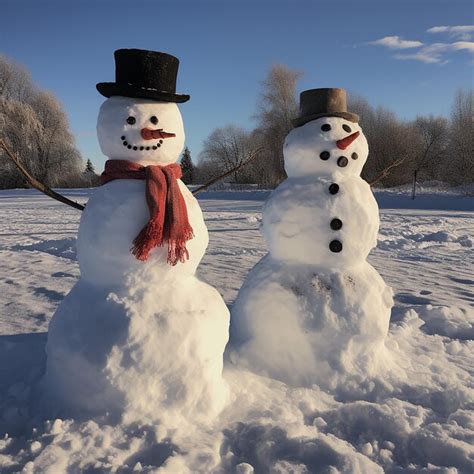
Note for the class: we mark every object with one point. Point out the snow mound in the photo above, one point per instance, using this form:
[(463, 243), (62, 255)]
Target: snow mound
[(453, 322), (65, 248)]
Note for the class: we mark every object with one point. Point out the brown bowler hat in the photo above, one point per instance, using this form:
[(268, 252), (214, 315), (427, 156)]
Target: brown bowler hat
[(315, 103)]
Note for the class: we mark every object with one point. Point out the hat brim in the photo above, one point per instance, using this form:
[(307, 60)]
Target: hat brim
[(297, 122), (109, 89)]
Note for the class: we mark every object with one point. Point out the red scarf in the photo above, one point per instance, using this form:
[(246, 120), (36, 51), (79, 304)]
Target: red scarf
[(168, 214)]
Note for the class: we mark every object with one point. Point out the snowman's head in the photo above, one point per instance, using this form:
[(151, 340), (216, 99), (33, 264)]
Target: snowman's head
[(325, 146), (141, 130)]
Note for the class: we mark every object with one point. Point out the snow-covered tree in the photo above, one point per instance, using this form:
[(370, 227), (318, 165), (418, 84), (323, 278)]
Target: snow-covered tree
[(34, 124)]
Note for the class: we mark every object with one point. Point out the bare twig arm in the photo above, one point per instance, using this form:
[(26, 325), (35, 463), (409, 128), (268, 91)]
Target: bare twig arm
[(33, 182), (251, 157), (386, 171)]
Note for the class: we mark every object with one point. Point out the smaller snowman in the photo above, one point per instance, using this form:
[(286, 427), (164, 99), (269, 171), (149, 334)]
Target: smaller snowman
[(139, 336), (313, 310)]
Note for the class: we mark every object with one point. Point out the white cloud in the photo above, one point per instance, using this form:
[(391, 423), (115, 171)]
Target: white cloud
[(468, 45), (463, 32), (396, 42), (433, 53), (455, 30), (428, 53)]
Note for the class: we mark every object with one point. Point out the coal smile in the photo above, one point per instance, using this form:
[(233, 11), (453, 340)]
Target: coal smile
[(131, 146)]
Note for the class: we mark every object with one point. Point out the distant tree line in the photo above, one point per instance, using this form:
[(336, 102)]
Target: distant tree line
[(34, 125), (401, 151)]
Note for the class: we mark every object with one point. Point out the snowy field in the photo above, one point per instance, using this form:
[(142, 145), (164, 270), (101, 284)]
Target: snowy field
[(419, 420)]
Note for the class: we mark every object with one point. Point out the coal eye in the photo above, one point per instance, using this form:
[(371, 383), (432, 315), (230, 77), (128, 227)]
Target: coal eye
[(154, 120), (131, 120), (347, 128), (326, 127)]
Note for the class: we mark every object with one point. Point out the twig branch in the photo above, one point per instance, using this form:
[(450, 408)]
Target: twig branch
[(250, 158), (34, 183), (386, 171)]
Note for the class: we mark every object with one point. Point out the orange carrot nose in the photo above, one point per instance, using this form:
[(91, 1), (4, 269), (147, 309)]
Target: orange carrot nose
[(345, 142), (148, 134)]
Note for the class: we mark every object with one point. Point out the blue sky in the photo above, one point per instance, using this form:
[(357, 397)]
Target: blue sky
[(394, 53)]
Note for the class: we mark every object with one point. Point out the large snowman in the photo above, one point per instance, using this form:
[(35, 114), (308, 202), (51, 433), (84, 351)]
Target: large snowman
[(140, 337), (313, 310)]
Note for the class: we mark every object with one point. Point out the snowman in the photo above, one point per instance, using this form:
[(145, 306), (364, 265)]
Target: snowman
[(313, 310), (139, 337)]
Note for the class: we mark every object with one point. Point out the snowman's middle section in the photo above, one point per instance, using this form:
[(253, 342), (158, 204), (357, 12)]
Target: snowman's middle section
[(327, 222)]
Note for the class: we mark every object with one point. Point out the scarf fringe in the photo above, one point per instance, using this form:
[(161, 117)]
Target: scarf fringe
[(177, 251), (147, 240)]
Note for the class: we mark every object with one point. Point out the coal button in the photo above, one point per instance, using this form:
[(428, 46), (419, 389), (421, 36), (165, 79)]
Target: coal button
[(342, 161), (324, 155), (335, 246), (354, 156), (334, 188), (336, 224)]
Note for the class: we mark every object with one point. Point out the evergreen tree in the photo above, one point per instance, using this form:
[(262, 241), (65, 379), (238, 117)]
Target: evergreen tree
[(187, 167), (90, 167)]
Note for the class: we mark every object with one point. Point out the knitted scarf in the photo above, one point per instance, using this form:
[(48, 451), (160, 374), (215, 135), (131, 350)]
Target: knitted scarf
[(168, 214)]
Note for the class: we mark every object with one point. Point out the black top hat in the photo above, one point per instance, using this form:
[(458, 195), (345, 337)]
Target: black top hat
[(315, 103), (144, 75)]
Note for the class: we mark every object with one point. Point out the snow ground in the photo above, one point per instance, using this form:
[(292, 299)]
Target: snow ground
[(420, 421)]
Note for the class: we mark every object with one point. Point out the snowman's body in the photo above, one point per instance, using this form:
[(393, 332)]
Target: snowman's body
[(113, 217), (313, 310), (138, 340)]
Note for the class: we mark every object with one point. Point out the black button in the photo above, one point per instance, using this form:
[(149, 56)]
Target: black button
[(354, 156), (134, 147), (342, 161), (131, 120), (335, 246), (125, 143), (347, 128), (129, 147), (147, 147), (334, 188), (142, 148), (122, 137), (161, 141), (154, 120), (154, 147), (324, 155), (326, 127), (336, 224)]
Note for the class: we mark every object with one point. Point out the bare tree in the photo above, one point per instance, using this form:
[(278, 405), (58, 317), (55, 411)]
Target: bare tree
[(277, 106), (432, 135), (460, 160), (391, 143), (225, 149)]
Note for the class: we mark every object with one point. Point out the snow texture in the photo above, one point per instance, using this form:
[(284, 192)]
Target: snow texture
[(415, 421), (308, 313)]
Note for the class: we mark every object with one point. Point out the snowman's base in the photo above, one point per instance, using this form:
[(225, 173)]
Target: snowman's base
[(138, 353), (304, 325)]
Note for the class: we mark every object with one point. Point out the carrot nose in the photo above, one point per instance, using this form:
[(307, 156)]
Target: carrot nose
[(148, 134), (345, 142)]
